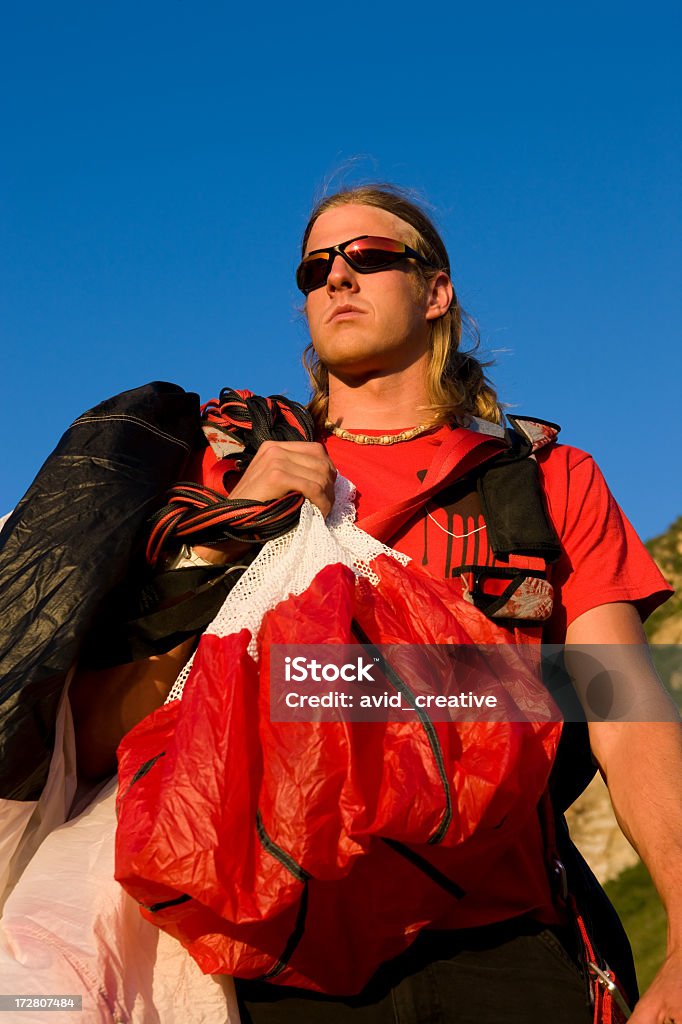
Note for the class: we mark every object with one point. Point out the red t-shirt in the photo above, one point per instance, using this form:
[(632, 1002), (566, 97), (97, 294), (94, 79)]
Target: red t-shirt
[(602, 561)]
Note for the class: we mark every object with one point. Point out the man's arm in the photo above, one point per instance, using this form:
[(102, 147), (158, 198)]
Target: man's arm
[(641, 761), (107, 703)]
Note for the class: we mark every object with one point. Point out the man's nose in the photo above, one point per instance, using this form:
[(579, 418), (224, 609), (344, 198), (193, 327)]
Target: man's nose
[(341, 275)]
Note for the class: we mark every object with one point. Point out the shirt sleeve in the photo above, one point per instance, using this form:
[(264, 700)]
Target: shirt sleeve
[(602, 560)]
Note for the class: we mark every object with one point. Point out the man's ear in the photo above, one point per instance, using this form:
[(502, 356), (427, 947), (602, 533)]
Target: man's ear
[(439, 295)]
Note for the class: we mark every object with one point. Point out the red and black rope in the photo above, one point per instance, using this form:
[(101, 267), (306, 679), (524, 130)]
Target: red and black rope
[(200, 515)]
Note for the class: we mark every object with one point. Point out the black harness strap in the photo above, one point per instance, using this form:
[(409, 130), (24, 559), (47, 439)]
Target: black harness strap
[(513, 504)]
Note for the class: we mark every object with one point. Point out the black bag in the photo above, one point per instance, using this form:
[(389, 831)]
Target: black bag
[(69, 542)]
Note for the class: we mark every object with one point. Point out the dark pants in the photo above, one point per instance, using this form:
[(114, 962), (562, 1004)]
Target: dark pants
[(514, 973)]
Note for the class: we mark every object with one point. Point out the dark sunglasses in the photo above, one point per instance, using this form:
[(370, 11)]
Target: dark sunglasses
[(366, 254)]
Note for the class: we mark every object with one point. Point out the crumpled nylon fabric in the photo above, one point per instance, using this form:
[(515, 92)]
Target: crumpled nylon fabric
[(209, 786), (64, 549), (68, 928)]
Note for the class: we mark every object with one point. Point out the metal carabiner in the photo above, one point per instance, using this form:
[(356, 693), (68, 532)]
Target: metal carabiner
[(561, 877), (605, 979)]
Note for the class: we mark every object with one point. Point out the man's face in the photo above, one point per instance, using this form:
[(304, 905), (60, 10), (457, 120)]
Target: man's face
[(388, 328)]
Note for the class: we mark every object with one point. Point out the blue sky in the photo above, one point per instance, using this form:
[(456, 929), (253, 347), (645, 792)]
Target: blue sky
[(159, 162)]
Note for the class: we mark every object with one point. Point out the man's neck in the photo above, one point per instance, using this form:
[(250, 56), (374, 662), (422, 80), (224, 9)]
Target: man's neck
[(379, 402)]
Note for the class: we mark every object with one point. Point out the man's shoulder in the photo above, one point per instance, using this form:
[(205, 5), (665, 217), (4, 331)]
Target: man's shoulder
[(562, 459)]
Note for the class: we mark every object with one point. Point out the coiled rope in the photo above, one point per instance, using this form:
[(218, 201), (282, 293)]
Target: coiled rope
[(205, 516)]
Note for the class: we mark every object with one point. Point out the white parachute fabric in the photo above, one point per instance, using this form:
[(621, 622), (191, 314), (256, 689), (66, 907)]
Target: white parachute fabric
[(289, 564), (24, 824), (69, 928)]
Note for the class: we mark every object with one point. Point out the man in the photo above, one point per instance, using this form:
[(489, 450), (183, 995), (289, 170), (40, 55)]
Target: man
[(390, 393)]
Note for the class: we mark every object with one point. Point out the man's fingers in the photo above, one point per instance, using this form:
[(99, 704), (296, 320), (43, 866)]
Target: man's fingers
[(318, 492), (280, 467)]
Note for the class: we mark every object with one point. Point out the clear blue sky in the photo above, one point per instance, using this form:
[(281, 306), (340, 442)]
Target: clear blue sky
[(159, 161)]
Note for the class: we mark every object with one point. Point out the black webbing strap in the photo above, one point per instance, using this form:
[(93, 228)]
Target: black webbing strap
[(169, 609)]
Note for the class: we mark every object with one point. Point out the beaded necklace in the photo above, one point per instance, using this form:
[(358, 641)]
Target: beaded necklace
[(404, 435)]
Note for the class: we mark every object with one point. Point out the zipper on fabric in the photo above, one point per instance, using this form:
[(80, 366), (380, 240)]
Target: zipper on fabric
[(428, 726), (301, 875)]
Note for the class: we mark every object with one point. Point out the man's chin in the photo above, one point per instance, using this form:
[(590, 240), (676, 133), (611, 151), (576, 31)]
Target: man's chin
[(356, 372)]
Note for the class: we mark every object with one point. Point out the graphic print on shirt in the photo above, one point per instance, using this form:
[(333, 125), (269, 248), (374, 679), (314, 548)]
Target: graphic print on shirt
[(452, 534)]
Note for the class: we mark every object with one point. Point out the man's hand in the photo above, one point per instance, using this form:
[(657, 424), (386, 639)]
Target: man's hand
[(277, 468), (280, 467), (662, 1001)]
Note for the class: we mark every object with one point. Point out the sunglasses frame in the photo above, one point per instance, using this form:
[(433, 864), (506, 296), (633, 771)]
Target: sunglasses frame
[(340, 250)]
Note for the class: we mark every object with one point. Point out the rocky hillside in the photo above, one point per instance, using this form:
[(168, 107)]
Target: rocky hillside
[(665, 625), (591, 820)]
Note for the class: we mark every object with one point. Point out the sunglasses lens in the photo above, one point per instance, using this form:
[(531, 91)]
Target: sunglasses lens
[(365, 254), (375, 253), (312, 273)]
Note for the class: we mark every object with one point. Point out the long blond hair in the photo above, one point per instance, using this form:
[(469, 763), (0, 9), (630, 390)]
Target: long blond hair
[(457, 386)]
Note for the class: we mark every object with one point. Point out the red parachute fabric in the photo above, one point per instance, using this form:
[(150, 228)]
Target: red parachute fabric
[(309, 853)]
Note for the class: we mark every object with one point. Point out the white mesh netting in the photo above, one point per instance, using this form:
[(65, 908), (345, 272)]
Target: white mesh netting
[(289, 564)]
